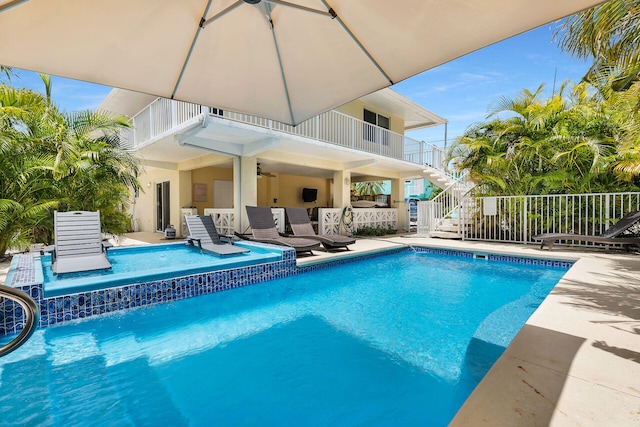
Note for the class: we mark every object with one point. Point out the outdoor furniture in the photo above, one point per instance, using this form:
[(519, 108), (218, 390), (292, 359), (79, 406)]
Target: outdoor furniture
[(78, 243), (203, 233), (301, 227), (612, 236), (264, 230)]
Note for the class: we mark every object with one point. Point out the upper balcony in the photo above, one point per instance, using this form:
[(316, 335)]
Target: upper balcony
[(165, 117)]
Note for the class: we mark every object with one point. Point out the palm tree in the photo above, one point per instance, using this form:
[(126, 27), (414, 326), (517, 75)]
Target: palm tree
[(52, 159), (369, 188), (566, 144), (607, 34), (7, 71), (25, 170)]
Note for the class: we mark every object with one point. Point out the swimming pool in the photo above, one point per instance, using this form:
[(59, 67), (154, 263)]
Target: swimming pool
[(137, 264), (398, 339)]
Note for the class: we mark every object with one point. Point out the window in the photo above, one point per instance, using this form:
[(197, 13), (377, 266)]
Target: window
[(373, 133)]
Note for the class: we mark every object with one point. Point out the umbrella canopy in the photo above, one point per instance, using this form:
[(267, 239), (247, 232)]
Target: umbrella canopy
[(286, 61)]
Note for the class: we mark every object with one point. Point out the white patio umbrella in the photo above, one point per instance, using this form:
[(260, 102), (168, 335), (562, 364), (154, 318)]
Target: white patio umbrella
[(286, 61)]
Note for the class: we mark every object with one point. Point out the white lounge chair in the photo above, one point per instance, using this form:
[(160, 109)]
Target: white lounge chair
[(78, 243)]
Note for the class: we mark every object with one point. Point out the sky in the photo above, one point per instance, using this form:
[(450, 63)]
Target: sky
[(461, 91)]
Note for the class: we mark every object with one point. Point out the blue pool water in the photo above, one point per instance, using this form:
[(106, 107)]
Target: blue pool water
[(145, 263), (394, 340)]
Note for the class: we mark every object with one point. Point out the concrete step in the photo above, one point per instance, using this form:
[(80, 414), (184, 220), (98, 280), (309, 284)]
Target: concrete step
[(445, 235), (448, 227)]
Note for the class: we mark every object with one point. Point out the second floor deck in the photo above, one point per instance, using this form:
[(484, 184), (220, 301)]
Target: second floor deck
[(163, 117)]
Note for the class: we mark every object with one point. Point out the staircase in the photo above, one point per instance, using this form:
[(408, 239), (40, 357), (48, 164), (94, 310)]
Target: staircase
[(444, 216), (439, 177)]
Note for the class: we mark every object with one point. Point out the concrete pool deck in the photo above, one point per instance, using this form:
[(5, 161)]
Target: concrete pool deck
[(576, 362)]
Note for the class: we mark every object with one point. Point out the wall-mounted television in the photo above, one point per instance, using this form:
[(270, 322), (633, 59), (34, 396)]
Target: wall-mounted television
[(309, 194)]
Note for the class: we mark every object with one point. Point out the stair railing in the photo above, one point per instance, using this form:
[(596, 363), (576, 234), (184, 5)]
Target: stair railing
[(31, 314), (432, 213)]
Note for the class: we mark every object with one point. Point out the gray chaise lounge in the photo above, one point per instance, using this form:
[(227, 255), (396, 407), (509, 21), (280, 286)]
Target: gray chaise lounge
[(264, 230), (78, 243), (203, 233), (301, 227), (612, 236)]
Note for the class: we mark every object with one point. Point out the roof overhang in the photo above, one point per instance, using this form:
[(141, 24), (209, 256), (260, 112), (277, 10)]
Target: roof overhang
[(414, 116)]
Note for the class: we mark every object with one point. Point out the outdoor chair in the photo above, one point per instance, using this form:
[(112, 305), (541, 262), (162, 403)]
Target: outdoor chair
[(263, 229), (614, 235), (301, 227), (78, 243), (203, 233)]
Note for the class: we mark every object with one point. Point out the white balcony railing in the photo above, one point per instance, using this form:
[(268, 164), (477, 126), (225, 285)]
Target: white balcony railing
[(163, 115)]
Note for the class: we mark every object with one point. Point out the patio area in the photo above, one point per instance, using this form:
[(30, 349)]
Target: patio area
[(577, 359)]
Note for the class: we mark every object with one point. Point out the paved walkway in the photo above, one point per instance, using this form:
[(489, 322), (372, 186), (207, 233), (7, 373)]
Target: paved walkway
[(576, 362)]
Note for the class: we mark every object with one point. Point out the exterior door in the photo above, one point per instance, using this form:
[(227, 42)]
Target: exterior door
[(163, 213)]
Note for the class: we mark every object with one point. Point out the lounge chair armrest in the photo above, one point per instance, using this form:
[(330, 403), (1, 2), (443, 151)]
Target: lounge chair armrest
[(48, 249), (107, 245), (191, 240), (227, 238)]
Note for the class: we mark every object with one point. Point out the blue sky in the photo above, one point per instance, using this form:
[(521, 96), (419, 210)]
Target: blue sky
[(463, 89), (460, 91)]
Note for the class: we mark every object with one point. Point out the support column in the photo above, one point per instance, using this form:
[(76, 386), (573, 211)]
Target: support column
[(341, 189), (183, 199), (248, 190), (397, 201)]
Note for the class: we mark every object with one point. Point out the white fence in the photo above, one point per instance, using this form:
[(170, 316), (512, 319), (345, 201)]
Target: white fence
[(333, 221), (329, 219), (163, 115), (517, 218), (224, 219)]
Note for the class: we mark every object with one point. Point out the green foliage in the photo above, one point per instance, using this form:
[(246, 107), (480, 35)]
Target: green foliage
[(369, 188), (566, 144), (607, 34), (52, 160), (375, 231)]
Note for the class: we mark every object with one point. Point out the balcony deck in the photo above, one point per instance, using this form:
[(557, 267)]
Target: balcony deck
[(164, 117)]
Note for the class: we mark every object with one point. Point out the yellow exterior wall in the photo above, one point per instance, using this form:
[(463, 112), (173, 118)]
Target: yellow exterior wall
[(291, 186), (356, 109), (145, 207), (287, 189), (206, 176)]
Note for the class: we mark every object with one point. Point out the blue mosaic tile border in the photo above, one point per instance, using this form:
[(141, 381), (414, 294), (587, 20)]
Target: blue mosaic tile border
[(497, 257), (532, 261), (450, 252), (55, 310)]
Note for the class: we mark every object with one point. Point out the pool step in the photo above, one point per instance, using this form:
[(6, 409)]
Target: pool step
[(29, 402), (86, 381), (146, 398)]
